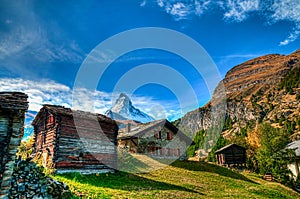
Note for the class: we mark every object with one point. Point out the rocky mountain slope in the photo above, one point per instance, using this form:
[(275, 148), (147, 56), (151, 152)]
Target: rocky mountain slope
[(124, 110), (258, 90)]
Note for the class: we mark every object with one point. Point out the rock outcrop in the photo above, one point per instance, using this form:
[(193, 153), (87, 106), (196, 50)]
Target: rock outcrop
[(249, 92)]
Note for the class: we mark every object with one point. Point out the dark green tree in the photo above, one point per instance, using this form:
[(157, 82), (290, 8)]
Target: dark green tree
[(271, 156), (220, 143), (198, 140)]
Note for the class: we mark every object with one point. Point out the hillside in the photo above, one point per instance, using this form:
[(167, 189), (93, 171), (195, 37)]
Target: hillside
[(180, 180), (262, 89)]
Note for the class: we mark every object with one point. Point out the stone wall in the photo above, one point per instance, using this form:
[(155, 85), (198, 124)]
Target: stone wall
[(28, 181), (12, 113)]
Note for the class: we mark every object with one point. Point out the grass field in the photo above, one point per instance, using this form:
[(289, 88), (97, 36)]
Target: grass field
[(181, 179)]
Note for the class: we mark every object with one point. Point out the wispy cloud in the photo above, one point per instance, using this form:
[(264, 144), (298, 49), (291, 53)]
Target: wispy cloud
[(184, 9), (24, 34), (240, 56), (287, 10), (238, 11)]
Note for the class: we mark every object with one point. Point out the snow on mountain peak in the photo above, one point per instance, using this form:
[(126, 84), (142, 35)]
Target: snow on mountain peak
[(124, 110)]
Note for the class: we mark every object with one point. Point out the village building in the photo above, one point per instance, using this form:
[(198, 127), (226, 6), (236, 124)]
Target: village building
[(13, 106), (75, 141), (231, 155), (294, 167), (160, 139)]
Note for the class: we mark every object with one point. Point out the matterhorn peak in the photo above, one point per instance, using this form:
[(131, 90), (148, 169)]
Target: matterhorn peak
[(124, 110)]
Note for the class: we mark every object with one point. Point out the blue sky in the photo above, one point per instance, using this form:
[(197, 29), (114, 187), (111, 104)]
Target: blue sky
[(43, 44)]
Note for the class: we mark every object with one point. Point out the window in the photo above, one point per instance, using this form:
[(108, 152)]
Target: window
[(50, 119), (170, 152), (150, 149), (162, 152), (177, 152), (158, 135), (169, 136)]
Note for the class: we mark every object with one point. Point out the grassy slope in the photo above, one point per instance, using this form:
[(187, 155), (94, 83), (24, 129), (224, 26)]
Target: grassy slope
[(180, 180)]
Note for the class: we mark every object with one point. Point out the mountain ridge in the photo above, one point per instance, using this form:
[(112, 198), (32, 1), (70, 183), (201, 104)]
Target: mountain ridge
[(250, 92)]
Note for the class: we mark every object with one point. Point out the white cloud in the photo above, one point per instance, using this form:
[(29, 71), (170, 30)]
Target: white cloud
[(184, 9), (287, 10), (50, 92), (38, 92), (239, 10), (143, 3)]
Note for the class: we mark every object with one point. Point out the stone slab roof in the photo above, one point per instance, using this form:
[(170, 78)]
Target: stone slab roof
[(13, 100)]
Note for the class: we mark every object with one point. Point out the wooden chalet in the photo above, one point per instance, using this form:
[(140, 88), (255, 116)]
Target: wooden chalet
[(158, 138), (79, 141), (231, 154), (13, 106)]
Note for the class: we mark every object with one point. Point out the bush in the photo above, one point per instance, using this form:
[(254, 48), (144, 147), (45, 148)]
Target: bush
[(25, 149)]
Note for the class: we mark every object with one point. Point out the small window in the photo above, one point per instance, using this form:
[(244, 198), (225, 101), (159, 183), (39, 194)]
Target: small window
[(170, 152), (50, 119), (158, 135), (177, 152), (169, 136)]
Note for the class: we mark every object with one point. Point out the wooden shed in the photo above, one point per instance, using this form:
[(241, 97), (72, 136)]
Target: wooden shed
[(13, 106), (75, 141), (231, 154)]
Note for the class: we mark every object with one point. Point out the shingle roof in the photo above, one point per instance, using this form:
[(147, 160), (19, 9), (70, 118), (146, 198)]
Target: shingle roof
[(142, 128), (228, 146), (13, 100), (61, 110)]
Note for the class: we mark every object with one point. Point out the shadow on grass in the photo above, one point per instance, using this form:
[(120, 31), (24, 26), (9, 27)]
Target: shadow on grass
[(207, 167), (124, 181), (128, 163)]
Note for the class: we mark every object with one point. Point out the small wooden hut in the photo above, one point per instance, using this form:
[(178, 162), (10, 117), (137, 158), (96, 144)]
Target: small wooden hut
[(75, 141), (231, 154)]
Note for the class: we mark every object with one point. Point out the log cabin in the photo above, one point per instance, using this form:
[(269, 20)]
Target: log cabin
[(231, 154), (13, 106), (75, 141), (160, 139)]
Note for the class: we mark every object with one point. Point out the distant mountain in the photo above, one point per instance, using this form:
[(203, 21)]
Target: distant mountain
[(124, 110), (265, 88)]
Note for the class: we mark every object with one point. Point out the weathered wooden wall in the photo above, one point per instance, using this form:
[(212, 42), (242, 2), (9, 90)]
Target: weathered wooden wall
[(12, 113)]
